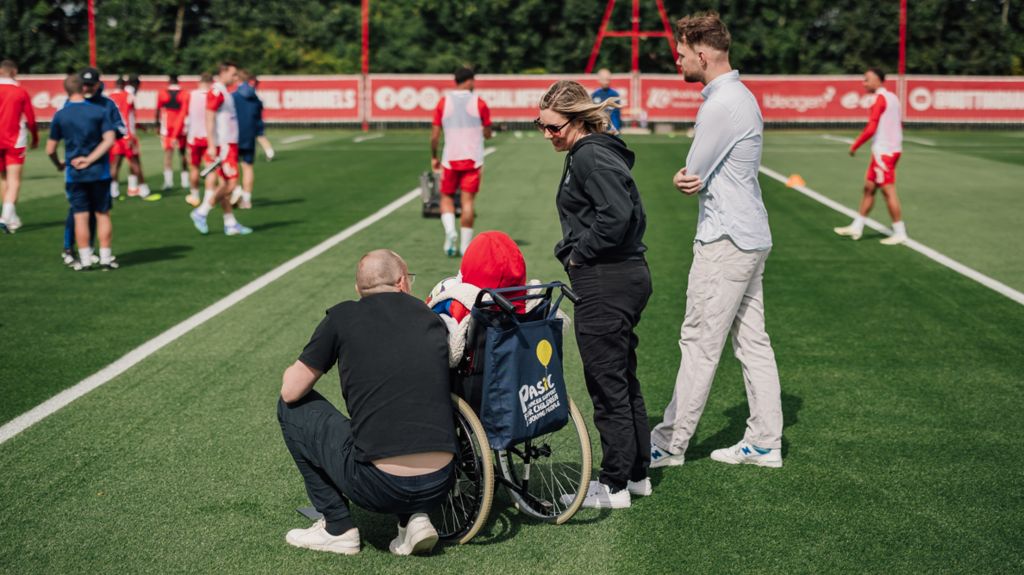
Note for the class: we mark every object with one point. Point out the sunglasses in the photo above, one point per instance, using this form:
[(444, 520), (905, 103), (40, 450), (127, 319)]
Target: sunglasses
[(550, 128)]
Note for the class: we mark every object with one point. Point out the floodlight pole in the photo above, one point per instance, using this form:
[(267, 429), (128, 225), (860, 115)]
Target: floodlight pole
[(902, 87), (92, 34), (365, 58)]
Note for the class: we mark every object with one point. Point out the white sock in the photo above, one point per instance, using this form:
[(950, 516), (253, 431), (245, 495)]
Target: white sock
[(194, 192), (208, 196), (184, 180), (168, 178), (858, 222), (8, 210), (467, 236), (246, 197), (899, 228), (133, 182), (229, 220), (85, 256), (115, 189), (448, 221), (105, 255), (204, 209)]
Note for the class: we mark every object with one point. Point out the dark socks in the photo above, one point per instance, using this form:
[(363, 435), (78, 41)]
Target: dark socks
[(340, 526)]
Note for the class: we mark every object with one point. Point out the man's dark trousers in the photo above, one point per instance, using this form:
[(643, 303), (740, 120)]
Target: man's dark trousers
[(320, 440)]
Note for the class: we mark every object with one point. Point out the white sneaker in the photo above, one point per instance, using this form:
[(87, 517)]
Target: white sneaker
[(316, 537), (894, 240), (417, 537), (600, 496), (244, 204), (851, 231), (449, 244), (662, 458), (641, 488), (743, 452), (12, 223)]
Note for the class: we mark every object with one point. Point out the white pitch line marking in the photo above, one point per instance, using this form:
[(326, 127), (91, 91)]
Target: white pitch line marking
[(359, 139), (299, 138), (125, 362), (922, 141), (840, 139), (918, 247)]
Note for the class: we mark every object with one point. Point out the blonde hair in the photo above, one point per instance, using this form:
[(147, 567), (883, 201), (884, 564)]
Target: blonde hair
[(572, 100)]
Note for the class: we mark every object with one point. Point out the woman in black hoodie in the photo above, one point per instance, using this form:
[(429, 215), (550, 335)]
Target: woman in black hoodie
[(602, 249)]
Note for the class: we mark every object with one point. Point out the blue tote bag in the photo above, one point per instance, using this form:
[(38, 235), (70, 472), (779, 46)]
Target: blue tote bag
[(524, 393)]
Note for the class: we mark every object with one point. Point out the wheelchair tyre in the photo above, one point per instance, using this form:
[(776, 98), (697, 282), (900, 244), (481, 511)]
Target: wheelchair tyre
[(552, 486), (468, 504)]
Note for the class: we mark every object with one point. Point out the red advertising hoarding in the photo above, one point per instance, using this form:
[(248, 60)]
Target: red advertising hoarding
[(413, 98), (964, 99), (842, 98), (661, 97), (285, 98)]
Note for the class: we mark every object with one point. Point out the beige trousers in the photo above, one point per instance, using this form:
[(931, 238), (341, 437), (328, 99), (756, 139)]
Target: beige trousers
[(724, 296)]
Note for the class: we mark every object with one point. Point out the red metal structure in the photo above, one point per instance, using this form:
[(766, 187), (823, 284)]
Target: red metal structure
[(92, 34), (635, 34)]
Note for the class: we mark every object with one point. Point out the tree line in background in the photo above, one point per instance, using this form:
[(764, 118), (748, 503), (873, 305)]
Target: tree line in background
[(504, 36)]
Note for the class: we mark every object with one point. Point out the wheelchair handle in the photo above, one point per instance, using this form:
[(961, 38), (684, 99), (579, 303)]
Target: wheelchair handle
[(571, 295), (503, 302)]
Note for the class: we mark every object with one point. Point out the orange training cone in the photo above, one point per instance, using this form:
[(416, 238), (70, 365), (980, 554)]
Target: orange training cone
[(794, 181)]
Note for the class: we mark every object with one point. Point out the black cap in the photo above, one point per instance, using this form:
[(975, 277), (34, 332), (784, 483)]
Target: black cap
[(89, 76)]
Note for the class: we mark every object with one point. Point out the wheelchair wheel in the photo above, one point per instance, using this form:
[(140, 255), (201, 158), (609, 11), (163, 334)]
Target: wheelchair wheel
[(548, 476), (469, 502)]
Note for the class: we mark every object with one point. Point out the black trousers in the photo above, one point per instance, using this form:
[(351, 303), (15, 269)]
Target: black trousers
[(613, 296), (320, 440)]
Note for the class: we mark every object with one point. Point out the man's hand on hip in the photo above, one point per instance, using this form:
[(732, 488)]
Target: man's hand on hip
[(686, 183)]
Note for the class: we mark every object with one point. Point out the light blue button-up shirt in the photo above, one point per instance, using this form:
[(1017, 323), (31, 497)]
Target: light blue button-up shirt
[(726, 155)]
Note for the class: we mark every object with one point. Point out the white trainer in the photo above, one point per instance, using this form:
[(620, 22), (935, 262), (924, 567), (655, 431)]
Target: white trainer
[(417, 537), (894, 240), (743, 452), (600, 496), (316, 537), (851, 231), (449, 244), (12, 223), (662, 458), (641, 488)]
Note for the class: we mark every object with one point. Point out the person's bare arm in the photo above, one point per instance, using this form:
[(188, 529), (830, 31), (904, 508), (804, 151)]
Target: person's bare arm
[(298, 379), (435, 141), (51, 151), (211, 132)]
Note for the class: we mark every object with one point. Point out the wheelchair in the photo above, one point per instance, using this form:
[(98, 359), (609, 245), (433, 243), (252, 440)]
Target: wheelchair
[(545, 476)]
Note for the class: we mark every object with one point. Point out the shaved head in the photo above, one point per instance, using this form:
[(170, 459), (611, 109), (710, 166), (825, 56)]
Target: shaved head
[(381, 271)]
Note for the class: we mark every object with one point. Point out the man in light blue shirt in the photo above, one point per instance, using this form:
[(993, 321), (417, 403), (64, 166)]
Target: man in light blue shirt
[(724, 292)]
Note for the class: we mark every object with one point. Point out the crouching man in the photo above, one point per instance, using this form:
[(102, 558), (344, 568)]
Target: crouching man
[(395, 454)]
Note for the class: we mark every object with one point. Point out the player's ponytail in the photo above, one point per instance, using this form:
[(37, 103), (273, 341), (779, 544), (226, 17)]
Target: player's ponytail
[(572, 100)]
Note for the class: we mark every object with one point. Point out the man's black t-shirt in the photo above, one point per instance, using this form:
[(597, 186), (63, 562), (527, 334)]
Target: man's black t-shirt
[(392, 356)]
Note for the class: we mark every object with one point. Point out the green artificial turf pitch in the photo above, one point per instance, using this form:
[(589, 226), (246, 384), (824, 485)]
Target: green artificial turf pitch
[(901, 379)]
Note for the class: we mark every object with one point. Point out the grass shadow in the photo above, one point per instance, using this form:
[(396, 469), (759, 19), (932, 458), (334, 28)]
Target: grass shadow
[(39, 226), (150, 255), (263, 203), (734, 429), (272, 225)]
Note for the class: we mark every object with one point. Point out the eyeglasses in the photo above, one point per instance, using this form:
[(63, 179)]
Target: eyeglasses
[(550, 128)]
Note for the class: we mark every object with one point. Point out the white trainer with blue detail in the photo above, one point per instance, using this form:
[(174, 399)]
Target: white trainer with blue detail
[(744, 452), (662, 458)]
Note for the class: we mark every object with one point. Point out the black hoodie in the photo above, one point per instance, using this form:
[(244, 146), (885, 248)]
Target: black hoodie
[(599, 205)]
